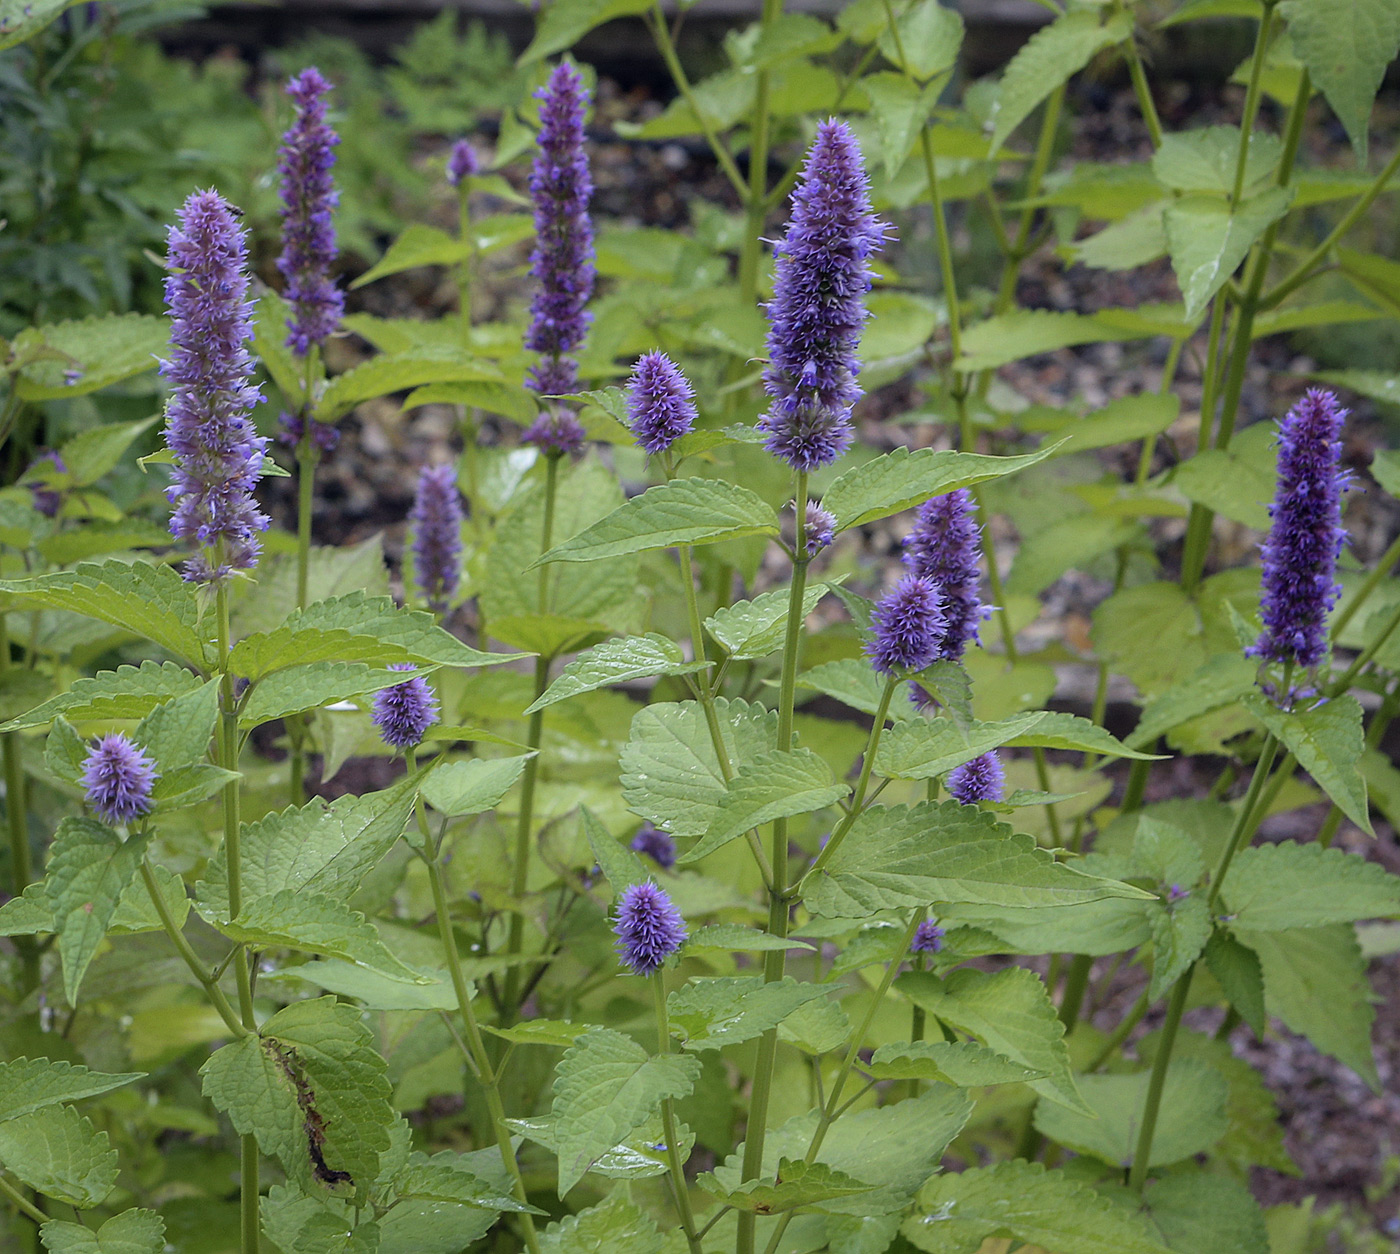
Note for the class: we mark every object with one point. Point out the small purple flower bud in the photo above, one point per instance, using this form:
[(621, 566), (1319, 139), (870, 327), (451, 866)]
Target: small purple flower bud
[(1176, 893), (118, 776), (556, 432), (308, 199), (45, 499), (656, 844), (461, 162), (553, 376), (820, 529), (649, 928), (943, 547), (660, 402), (437, 534), (907, 626), (324, 435), (1300, 554), (928, 938), (404, 712), (818, 306), (982, 779)]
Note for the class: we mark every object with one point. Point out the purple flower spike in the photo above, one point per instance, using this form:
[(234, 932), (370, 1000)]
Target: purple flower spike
[(308, 200), (943, 547), (907, 626), (928, 938), (982, 779), (45, 499), (818, 306), (404, 712), (1300, 554), (820, 529), (461, 162), (649, 928), (218, 454), (556, 432), (437, 534), (660, 402), (290, 427), (562, 262), (118, 776), (656, 844)]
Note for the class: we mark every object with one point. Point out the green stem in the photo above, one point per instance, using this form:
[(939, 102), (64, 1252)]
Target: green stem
[(17, 821), (1076, 984), (464, 267), (1382, 569), (1193, 554), (307, 458), (22, 1203), (1142, 90), (668, 1120), (1121, 1032), (1137, 1177), (1251, 99), (756, 201)]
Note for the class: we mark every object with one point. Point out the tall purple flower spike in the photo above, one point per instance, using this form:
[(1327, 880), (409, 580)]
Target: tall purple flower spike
[(982, 779), (218, 454), (404, 712), (660, 402), (1300, 553), (943, 547), (907, 626), (117, 779), (562, 262), (461, 162), (649, 928), (818, 306), (305, 160), (437, 534)]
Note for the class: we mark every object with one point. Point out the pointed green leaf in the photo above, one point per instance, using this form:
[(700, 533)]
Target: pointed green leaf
[(177, 732), (853, 682), (1220, 682), (727, 1010), (135, 1231), (616, 1226), (1026, 332), (962, 1063), (472, 786), (927, 748), (1180, 931), (418, 245), (1272, 888), (1236, 969), (300, 688), (735, 937), (104, 349), (127, 692), (58, 1152), (1202, 1213), (187, 786), (1204, 160), (447, 1182), (397, 372), (635, 1158), (28, 914), (798, 1186), (30, 1084), (556, 1032), (617, 662), (1328, 742), (1207, 241), (752, 629), (620, 866), (929, 38), (564, 21)]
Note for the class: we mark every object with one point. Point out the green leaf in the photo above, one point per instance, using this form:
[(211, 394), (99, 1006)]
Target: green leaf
[(901, 479), (451, 1182), (1272, 888), (127, 692), (902, 857), (928, 748), (89, 866), (1202, 1213), (27, 914), (64, 751), (1220, 682), (30, 1084), (1328, 742), (1180, 931), (1207, 241), (1010, 1012), (418, 245), (956, 1212), (852, 682), (753, 629), (1025, 332), (92, 453), (58, 1152), (670, 774), (374, 989), (397, 372), (635, 1158), (473, 786), (1046, 60), (565, 20), (617, 662), (300, 688), (620, 866), (1066, 545), (732, 937), (1379, 385), (1128, 418), (97, 539), (1346, 45), (187, 786), (604, 1087), (900, 110), (150, 601), (331, 572), (1130, 242), (270, 343), (1204, 160), (1230, 482), (929, 37), (135, 1231), (798, 1186), (1237, 970), (770, 786), (614, 1226), (962, 1063), (684, 511), (105, 349), (22, 19), (1055, 730), (554, 1032), (177, 733), (727, 1010), (295, 1221)]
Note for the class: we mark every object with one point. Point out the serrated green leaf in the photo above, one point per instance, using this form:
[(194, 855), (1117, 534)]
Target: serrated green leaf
[(93, 453), (1272, 888), (189, 785), (683, 511), (604, 1087), (1220, 682), (565, 20), (300, 688), (555, 1032), (135, 1231), (27, 914), (770, 786), (616, 662), (900, 109), (417, 245), (962, 1063), (127, 692), (929, 37), (1230, 482), (104, 349), (59, 1153), (753, 629), (735, 937), (852, 682), (1133, 241), (1237, 970), (397, 372), (614, 1226), (1128, 418), (1180, 931), (1379, 385), (639, 1157), (1203, 1213), (1328, 742), (727, 1010), (178, 732), (798, 1186), (21, 21), (136, 912), (1207, 240), (65, 751), (1204, 160), (1026, 332), (472, 786), (331, 573), (1066, 545), (30, 1084), (1058, 730), (446, 1182), (620, 866)]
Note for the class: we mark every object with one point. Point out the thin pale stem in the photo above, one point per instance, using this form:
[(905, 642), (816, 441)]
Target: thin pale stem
[(22, 1203), (1157, 1082), (668, 1120), (17, 823), (756, 199), (1368, 586), (1251, 99)]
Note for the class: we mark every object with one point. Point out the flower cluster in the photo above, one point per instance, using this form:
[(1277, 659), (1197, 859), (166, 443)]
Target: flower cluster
[(649, 928), (928, 937), (218, 454), (437, 534), (309, 198), (461, 162), (660, 402), (656, 844), (404, 712), (291, 427), (556, 431), (117, 779), (819, 529), (907, 626), (47, 500), (982, 779), (943, 547), (818, 308)]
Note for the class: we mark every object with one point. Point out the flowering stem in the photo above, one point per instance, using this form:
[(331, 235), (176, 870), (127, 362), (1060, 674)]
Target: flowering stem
[(307, 456), (756, 202), (668, 1118), (22, 1203), (17, 820)]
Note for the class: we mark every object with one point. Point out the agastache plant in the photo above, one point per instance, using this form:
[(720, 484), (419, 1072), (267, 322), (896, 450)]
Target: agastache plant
[(982, 779), (436, 519), (660, 402), (404, 712), (943, 547), (649, 928), (118, 776)]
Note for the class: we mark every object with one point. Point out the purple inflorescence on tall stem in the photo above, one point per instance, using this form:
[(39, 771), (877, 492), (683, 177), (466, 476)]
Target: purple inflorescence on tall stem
[(928, 937), (1300, 553), (649, 928), (404, 712), (218, 454), (308, 200), (907, 626), (820, 529), (982, 779), (660, 402), (291, 427), (943, 547), (461, 162), (557, 432), (818, 306), (437, 534), (562, 262), (656, 844), (117, 778), (45, 499)]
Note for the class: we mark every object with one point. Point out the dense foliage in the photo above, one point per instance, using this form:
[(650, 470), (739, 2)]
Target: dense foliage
[(690, 915)]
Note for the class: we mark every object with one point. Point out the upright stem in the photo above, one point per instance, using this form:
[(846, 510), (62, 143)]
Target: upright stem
[(17, 821), (1368, 586), (308, 455), (756, 203), (668, 1119)]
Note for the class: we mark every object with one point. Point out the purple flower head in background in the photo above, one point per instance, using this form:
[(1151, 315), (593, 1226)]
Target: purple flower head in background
[(820, 529), (404, 712), (117, 778), (928, 937), (656, 844), (907, 626), (290, 427), (45, 499), (982, 779), (557, 432), (660, 402), (562, 262), (649, 928), (437, 534), (461, 162), (218, 453), (943, 547), (308, 200), (1300, 553), (818, 306)]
